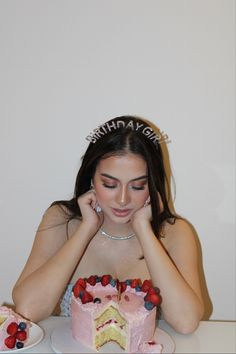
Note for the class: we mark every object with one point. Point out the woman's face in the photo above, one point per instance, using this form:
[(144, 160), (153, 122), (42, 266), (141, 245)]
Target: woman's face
[(121, 185)]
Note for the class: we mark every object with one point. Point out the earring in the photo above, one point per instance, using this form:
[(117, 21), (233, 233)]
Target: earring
[(98, 208), (147, 202)]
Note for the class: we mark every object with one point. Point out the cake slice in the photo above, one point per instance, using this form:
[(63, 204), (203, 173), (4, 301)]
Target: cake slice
[(14, 329)]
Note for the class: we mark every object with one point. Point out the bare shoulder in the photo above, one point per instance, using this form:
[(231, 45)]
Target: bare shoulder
[(55, 215), (52, 231), (179, 234)]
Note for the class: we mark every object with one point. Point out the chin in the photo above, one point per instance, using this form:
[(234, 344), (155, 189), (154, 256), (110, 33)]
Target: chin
[(119, 220)]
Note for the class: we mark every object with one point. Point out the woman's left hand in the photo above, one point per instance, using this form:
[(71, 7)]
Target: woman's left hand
[(141, 217)]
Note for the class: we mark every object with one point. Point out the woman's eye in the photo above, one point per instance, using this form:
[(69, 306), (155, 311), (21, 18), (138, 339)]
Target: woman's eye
[(109, 185), (141, 188)]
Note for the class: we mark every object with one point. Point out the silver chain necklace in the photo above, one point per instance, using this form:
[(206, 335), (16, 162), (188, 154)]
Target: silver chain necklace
[(116, 237)]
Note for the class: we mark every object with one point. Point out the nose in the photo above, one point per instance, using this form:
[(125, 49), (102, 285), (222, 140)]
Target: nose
[(123, 197)]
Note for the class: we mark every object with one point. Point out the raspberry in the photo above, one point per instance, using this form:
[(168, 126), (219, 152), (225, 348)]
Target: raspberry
[(92, 280), (146, 285), (12, 328), (105, 279), (155, 299), (10, 342), (21, 335)]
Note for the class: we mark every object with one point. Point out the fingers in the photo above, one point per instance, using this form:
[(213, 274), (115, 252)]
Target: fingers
[(147, 202), (89, 199)]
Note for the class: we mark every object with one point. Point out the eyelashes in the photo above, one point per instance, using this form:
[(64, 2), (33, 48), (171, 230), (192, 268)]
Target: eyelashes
[(109, 186), (131, 187)]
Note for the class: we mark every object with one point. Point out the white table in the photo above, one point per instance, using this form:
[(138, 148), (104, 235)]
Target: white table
[(210, 337)]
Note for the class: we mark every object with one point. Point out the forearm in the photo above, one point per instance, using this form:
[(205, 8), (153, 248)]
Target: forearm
[(36, 296), (181, 306)]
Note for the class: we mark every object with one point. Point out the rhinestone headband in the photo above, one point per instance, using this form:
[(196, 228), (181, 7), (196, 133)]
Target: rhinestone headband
[(133, 125)]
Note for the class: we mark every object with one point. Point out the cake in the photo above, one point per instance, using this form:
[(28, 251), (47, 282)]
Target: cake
[(14, 329), (103, 309)]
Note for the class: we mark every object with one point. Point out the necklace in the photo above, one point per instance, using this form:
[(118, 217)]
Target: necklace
[(116, 237)]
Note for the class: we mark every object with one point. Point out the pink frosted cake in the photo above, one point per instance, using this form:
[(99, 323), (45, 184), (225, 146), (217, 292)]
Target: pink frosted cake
[(14, 329), (104, 309)]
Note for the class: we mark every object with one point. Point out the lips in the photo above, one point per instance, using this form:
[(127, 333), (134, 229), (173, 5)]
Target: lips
[(121, 212)]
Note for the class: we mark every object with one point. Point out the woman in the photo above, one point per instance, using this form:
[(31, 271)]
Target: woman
[(119, 223)]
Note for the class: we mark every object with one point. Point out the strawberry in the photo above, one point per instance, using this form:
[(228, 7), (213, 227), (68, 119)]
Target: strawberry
[(21, 335), (77, 289), (135, 283), (122, 286), (81, 282), (146, 285), (86, 297), (12, 328), (10, 342), (92, 280), (105, 279)]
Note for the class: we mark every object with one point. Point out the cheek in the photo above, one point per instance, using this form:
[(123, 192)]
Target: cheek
[(141, 198), (103, 195)]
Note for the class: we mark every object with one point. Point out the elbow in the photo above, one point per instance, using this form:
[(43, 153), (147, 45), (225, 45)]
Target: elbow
[(187, 326), (188, 322), (29, 309), (30, 313)]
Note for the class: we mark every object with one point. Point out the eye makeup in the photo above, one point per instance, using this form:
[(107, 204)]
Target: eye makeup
[(138, 183)]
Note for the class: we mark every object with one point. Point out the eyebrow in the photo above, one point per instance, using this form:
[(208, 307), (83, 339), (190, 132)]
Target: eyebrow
[(116, 179)]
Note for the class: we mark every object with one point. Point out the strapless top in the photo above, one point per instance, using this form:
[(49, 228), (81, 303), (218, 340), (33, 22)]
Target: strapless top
[(65, 305)]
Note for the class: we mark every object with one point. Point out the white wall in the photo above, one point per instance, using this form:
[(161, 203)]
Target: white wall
[(67, 66)]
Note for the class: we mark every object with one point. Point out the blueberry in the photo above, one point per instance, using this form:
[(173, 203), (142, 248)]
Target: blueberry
[(81, 294), (98, 279), (149, 305), (97, 300), (113, 282), (128, 282), (138, 288), (19, 345), (22, 326)]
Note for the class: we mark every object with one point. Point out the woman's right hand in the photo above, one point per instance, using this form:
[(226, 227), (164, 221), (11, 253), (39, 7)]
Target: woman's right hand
[(92, 219)]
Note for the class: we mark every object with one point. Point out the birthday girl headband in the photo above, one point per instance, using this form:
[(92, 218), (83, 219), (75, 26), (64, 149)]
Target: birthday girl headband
[(135, 126)]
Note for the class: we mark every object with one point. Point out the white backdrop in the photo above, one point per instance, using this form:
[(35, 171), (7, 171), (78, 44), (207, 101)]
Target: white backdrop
[(67, 66)]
